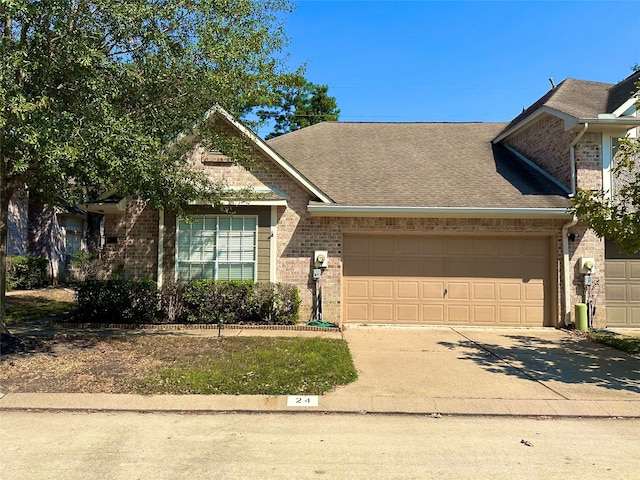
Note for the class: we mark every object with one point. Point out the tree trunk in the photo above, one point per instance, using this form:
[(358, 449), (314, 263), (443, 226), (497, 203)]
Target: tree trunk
[(93, 233), (5, 198)]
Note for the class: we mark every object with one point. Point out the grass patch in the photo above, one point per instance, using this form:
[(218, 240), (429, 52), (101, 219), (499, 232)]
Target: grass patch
[(255, 366), (626, 343), (23, 308)]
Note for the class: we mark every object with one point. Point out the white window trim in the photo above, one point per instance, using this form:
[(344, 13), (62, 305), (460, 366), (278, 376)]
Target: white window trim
[(216, 263)]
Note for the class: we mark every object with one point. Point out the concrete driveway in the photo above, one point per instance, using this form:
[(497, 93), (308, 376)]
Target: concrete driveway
[(466, 363)]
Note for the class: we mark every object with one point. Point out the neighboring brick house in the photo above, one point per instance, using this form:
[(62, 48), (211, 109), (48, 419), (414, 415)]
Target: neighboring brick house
[(53, 233), (422, 223)]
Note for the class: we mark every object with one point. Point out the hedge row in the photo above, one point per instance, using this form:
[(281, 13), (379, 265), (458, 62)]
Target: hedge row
[(27, 272), (200, 301)]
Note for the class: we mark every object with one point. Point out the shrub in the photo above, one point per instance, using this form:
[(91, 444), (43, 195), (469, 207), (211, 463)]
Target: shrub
[(117, 301), (172, 302), (211, 301), (27, 272), (86, 266)]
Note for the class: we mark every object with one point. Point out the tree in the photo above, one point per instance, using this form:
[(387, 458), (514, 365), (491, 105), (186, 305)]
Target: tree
[(95, 94), (616, 215), (302, 104)]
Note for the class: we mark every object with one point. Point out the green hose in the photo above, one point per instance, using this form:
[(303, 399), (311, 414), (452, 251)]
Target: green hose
[(320, 323)]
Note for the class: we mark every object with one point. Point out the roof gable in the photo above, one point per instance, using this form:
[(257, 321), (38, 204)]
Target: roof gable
[(575, 100), (262, 147)]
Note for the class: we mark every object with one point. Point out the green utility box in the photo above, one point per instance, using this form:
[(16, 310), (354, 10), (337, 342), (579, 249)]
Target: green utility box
[(581, 317)]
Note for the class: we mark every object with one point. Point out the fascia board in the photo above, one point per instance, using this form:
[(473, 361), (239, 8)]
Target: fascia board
[(569, 122), (435, 212), (267, 150), (625, 106)]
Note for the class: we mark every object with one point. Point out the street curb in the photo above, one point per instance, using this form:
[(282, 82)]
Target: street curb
[(326, 404)]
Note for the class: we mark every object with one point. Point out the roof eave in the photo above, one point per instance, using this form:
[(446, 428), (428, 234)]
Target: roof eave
[(569, 122), (436, 212)]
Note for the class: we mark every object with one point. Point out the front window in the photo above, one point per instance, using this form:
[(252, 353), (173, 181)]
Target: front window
[(73, 232), (217, 247)]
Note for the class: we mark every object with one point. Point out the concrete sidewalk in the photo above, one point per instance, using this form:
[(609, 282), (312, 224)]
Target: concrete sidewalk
[(433, 371)]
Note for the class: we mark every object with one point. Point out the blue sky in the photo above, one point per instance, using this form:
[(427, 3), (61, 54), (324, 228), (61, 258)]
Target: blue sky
[(405, 61)]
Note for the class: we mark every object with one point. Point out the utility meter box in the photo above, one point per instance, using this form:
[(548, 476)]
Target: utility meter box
[(321, 259), (587, 265)]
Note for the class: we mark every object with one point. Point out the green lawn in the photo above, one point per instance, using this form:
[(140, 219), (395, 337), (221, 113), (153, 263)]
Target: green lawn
[(255, 366), (23, 308), (626, 343)]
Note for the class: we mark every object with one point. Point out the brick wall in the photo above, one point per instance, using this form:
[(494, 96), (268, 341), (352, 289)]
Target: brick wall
[(547, 145), (132, 241)]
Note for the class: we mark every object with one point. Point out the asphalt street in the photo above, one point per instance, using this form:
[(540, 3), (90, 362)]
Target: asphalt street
[(127, 445)]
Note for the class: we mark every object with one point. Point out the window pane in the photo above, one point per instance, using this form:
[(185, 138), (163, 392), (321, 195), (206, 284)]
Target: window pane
[(233, 258)]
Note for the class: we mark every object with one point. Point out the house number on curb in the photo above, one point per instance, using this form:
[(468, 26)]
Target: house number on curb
[(302, 401)]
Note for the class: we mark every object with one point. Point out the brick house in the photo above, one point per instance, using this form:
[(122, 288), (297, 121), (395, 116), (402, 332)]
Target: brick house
[(39, 230), (420, 223)]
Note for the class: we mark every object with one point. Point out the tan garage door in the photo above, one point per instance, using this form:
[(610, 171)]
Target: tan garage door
[(442, 280), (622, 288)]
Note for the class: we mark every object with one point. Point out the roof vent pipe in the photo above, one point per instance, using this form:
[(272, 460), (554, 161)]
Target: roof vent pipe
[(573, 158)]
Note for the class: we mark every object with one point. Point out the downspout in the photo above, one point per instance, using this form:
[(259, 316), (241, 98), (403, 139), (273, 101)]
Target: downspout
[(566, 289)]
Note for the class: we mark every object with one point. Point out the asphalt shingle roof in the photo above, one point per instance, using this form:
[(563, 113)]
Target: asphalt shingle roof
[(416, 165), (583, 99)]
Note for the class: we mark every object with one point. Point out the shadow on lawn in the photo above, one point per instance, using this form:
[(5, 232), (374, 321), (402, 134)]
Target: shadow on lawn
[(33, 337), (568, 360)]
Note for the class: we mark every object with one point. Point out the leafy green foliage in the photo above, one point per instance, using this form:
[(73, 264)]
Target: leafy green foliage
[(302, 104), (616, 215), (256, 366), (27, 272), (117, 301), (96, 92), (212, 301)]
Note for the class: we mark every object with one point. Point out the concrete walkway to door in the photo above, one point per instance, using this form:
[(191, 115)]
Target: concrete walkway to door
[(491, 371)]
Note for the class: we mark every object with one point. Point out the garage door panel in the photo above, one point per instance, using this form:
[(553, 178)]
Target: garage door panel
[(357, 289), (433, 290), (484, 315), (357, 312), (381, 267), (407, 268), (616, 270), (509, 315), (381, 246), (433, 314), (438, 280), (435, 246), (431, 267), (509, 292), (623, 292), (534, 290), (382, 313), (533, 315), (408, 313), (408, 290), (382, 289), (357, 267), (458, 291), (484, 291), (459, 314)]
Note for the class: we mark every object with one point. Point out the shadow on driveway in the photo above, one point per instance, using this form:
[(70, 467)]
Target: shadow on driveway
[(571, 366)]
